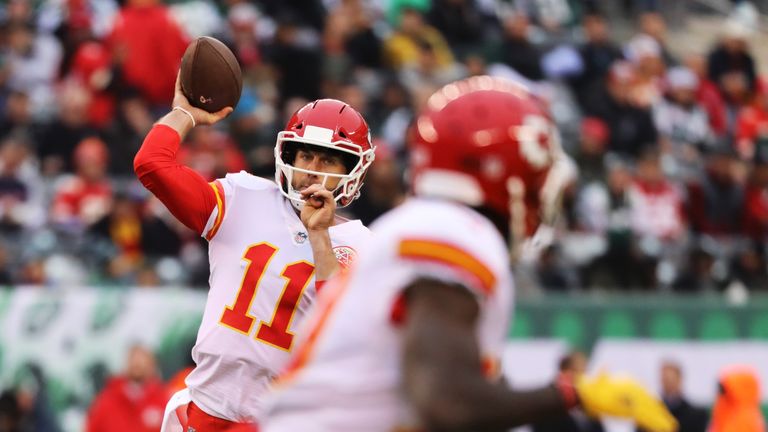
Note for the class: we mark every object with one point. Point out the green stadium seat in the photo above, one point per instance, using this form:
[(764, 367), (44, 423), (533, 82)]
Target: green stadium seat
[(758, 328), (570, 327), (521, 327), (617, 324), (718, 326), (667, 326)]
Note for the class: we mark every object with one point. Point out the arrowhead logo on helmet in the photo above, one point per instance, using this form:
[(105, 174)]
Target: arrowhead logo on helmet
[(490, 143)]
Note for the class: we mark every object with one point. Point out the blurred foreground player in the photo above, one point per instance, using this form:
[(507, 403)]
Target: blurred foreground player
[(270, 247), (409, 339)]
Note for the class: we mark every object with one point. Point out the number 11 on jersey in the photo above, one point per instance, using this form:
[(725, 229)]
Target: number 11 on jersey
[(275, 332)]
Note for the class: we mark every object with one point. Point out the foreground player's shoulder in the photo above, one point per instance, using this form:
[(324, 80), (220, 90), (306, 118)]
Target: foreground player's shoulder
[(447, 241)]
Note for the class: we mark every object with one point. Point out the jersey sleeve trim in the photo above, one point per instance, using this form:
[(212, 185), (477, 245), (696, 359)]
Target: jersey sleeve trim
[(450, 255), (218, 191)]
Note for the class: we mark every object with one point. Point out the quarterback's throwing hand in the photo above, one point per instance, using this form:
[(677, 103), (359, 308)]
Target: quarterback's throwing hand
[(199, 116), (319, 208), (605, 395)]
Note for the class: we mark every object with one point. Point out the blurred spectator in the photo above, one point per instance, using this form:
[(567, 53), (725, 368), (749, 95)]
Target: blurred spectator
[(122, 228), (460, 21), (716, 198), (306, 13), (134, 401), (5, 274), (573, 364), (211, 153), (251, 124), (604, 210), (426, 72), (737, 96), (737, 407), (10, 413), (90, 17), (17, 115), (349, 29), (149, 66), (392, 113), (32, 273), (133, 121), (25, 407), (590, 158), (137, 236), (85, 197), (162, 234), (749, 266), (731, 56), (33, 60), (598, 53), (292, 60), (682, 123), (689, 418), (652, 23), (58, 140), (755, 223), (21, 193), (751, 132), (699, 275), (18, 12), (384, 188), (404, 46), (92, 69), (708, 94), (517, 51), (552, 273), (550, 15), (243, 37), (644, 53), (656, 204), (631, 126)]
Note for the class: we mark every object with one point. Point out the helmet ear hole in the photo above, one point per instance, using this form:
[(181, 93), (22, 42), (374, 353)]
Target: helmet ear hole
[(342, 134), (299, 126), (290, 148)]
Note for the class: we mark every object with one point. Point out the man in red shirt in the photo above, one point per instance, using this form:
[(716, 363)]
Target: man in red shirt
[(86, 197), (148, 43), (133, 401)]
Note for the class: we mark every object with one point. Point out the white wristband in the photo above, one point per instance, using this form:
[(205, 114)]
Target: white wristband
[(187, 113)]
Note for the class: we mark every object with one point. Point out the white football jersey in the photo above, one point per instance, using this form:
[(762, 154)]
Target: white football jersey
[(261, 285), (346, 373)]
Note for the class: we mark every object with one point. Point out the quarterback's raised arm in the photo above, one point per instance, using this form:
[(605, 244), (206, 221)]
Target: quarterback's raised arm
[(185, 192)]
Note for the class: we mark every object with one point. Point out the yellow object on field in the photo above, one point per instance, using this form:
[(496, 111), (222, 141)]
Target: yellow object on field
[(607, 395)]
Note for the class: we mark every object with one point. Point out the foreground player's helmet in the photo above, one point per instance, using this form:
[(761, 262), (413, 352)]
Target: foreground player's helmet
[(330, 124), (490, 144)]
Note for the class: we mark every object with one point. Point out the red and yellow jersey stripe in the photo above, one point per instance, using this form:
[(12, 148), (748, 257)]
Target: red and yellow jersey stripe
[(218, 191), (450, 255)]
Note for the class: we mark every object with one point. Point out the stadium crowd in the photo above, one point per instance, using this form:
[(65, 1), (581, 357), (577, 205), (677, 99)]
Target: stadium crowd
[(672, 150)]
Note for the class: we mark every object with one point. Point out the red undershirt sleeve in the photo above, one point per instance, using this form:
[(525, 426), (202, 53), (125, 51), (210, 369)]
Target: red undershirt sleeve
[(188, 196)]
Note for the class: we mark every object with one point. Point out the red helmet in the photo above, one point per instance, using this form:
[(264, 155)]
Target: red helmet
[(331, 124), (489, 143)]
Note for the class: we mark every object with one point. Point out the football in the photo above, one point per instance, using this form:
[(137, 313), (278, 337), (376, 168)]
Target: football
[(211, 78)]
